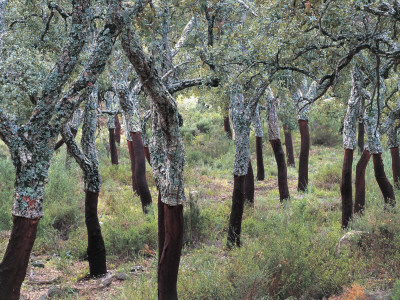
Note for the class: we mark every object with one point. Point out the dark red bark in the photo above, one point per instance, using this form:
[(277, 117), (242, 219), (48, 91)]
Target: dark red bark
[(61, 142), (117, 130), (140, 171), (282, 170), (395, 166), (289, 147), (249, 185), (360, 138), (260, 161), (132, 160), (359, 202), (113, 147), (15, 261), (227, 127), (171, 224), (346, 189), (96, 250), (235, 220), (147, 154), (304, 153), (383, 182)]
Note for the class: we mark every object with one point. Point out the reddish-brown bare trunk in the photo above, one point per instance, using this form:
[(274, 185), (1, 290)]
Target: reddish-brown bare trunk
[(113, 146), (359, 202), (96, 250), (282, 170), (360, 140), (147, 154), (235, 220), (117, 130), (171, 224), (227, 127), (15, 261), (383, 182), (61, 142), (304, 153), (346, 189), (140, 171), (394, 152), (132, 159), (260, 161), (289, 147), (249, 185)]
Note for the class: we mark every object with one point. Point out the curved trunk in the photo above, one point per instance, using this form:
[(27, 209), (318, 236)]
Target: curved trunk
[(260, 161), (147, 154), (235, 220), (227, 127), (383, 182), (140, 171), (16, 259), (96, 250), (345, 188), (132, 159), (171, 225), (249, 185), (360, 139), (289, 147), (117, 130), (282, 170), (359, 202), (113, 147), (61, 142), (304, 153), (394, 152)]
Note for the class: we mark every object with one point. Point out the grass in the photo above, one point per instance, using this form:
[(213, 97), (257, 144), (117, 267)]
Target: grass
[(289, 250)]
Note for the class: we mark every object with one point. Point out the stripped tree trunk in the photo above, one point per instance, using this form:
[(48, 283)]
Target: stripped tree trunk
[(383, 182), (259, 133), (289, 147), (304, 154), (359, 202), (132, 160), (393, 145), (346, 189), (117, 130), (360, 136), (227, 126), (111, 105), (249, 185), (113, 146), (235, 219)]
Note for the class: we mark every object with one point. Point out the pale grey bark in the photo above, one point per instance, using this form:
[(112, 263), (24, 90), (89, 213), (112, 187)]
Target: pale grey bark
[(257, 124), (3, 5), (111, 106), (392, 138), (273, 122), (302, 99)]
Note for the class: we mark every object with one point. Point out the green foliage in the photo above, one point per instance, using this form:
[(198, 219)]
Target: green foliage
[(6, 189)]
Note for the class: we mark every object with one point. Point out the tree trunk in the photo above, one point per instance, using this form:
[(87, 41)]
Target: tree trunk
[(16, 259), (304, 152), (260, 161), (147, 154), (346, 189), (383, 182), (289, 147), (117, 130), (61, 142), (395, 166), (170, 224), (132, 159), (360, 140), (227, 127), (249, 185), (140, 171), (235, 220), (282, 170), (96, 250), (113, 147), (359, 202)]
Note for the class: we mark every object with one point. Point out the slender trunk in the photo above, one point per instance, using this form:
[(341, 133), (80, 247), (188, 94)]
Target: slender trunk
[(289, 147), (282, 170), (304, 153), (132, 159), (147, 154), (140, 171), (346, 189), (96, 250), (383, 182), (168, 266), (235, 220), (249, 185), (113, 147), (16, 259), (260, 161), (61, 142), (360, 140), (227, 127), (117, 130), (161, 228), (395, 166), (359, 202)]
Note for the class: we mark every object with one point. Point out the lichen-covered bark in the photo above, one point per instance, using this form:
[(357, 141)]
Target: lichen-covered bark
[(258, 130), (3, 5), (273, 124)]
